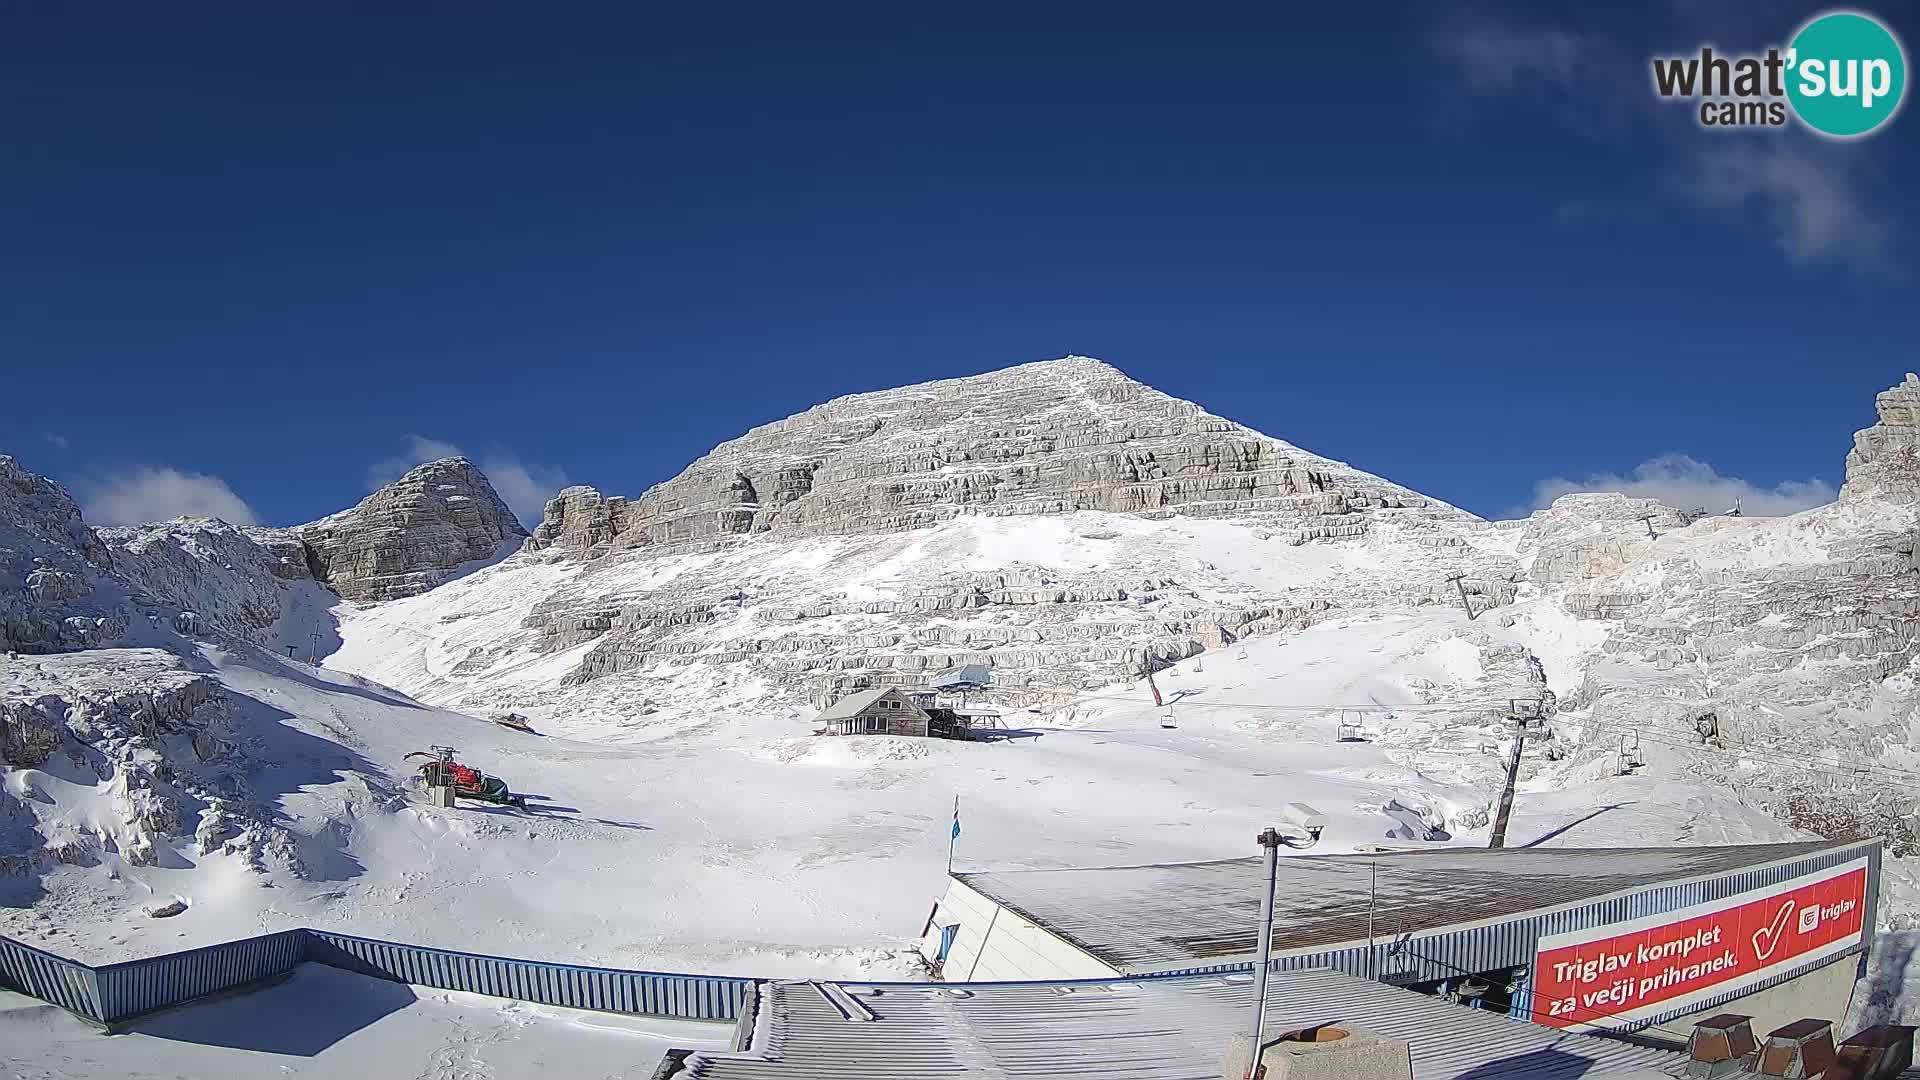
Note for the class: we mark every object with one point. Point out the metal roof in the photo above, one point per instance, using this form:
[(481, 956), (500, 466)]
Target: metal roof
[(850, 706), (978, 676), (1183, 915), (1148, 1029)]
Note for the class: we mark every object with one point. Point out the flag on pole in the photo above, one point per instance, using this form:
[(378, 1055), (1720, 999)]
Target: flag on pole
[(956, 817)]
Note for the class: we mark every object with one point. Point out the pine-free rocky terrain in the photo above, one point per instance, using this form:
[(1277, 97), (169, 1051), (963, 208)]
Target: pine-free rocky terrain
[(174, 777)]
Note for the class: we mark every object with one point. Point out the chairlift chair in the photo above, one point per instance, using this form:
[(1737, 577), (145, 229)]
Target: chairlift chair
[(1350, 729), (1166, 719)]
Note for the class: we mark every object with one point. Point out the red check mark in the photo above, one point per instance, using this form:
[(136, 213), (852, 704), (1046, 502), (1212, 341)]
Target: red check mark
[(1767, 938)]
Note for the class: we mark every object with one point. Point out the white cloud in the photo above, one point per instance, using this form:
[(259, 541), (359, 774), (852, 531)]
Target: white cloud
[(1807, 196), (1578, 81), (147, 493), (524, 486), (58, 442), (419, 451), (1497, 57), (1682, 482)]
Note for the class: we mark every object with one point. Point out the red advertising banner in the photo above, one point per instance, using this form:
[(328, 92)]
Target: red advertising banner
[(1607, 975)]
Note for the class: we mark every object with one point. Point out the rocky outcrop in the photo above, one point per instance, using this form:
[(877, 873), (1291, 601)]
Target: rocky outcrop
[(1590, 535), (214, 572), (412, 534), (65, 586), (28, 733), (1885, 460), (287, 552), (35, 509), (1057, 523), (1046, 438), (1776, 655), (50, 562), (161, 739)]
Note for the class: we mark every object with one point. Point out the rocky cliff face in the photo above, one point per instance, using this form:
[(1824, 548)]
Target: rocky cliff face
[(1885, 460), (1775, 654), (1057, 522), (209, 568), (412, 534), (51, 564), (65, 586), (1047, 438)]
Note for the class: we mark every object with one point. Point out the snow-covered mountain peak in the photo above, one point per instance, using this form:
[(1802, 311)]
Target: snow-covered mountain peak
[(1058, 522), (1054, 437)]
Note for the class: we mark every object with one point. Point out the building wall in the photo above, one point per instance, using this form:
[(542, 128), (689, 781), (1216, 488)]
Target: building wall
[(994, 944), (898, 721), (1823, 993), (903, 719)]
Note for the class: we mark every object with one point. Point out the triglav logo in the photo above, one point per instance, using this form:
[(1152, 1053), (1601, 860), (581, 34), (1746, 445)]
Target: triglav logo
[(1842, 75)]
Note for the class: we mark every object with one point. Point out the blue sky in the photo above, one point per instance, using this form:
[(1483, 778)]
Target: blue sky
[(252, 262)]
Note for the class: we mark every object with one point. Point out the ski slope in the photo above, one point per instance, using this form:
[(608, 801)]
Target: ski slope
[(745, 846)]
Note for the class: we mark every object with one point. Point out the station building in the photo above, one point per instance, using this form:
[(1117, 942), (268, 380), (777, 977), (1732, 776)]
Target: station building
[(1614, 939)]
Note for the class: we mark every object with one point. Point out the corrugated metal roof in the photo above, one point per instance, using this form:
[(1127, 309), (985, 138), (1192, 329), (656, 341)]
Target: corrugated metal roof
[(1157, 1029), (849, 707), (974, 675), (1179, 915)]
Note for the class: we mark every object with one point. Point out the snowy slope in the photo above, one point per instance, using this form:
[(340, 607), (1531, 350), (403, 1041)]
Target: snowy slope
[(767, 625), (749, 848), (321, 1022), (681, 815)]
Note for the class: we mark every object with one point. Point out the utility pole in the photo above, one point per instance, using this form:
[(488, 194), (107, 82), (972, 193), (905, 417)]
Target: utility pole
[(1270, 840), (1458, 581), (1520, 715), (1373, 892)]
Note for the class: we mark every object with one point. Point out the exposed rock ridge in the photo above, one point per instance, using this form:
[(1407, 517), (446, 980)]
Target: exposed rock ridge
[(1783, 649), (162, 741), (1045, 438), (51, 564), (218, 572), (1885, 459), (412, 534)]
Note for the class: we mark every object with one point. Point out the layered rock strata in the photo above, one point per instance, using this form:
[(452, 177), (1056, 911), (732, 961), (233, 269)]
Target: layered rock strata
[(1046, 438), (412, 534)]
